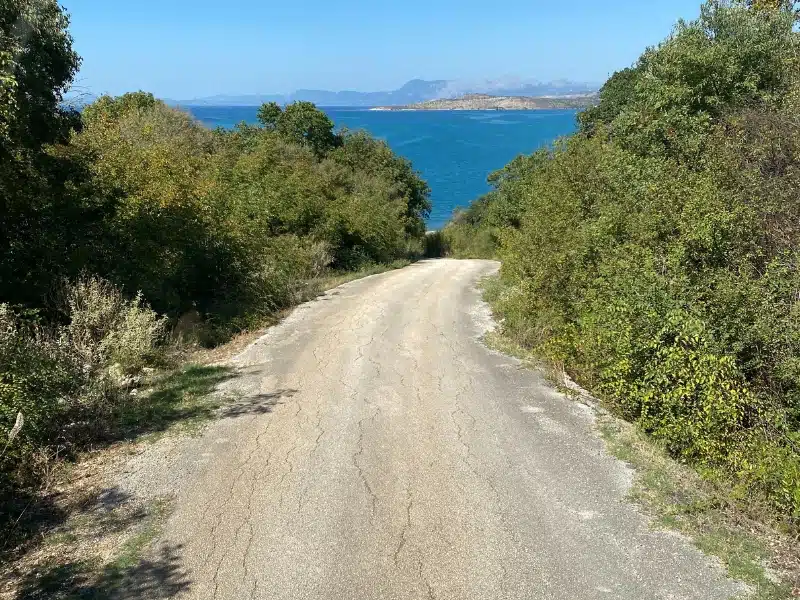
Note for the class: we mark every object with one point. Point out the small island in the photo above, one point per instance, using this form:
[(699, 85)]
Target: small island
[(488, 102)]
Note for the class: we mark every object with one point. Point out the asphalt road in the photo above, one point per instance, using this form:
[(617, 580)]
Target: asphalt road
[(377, 449)]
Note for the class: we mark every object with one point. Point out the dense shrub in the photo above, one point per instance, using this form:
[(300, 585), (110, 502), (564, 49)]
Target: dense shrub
[(68, 381), (435, 245), (104, 328), (40, 378), (655, 253)]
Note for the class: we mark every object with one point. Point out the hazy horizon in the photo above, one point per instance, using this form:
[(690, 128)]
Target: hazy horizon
[(184, 50), (464, 83)]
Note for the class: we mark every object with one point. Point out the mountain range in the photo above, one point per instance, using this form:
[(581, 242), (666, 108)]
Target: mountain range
[(416, 90)]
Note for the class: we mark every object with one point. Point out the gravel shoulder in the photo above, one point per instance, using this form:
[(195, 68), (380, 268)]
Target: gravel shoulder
[(373, 447)]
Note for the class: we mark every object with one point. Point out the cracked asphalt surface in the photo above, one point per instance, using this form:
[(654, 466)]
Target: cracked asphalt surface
[(377, 449)]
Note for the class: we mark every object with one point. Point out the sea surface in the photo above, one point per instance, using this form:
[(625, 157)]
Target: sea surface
[(453, 150)]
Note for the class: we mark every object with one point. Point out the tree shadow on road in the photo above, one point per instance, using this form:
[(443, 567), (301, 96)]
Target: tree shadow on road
[(67, 563), (184, 396), (46, 534), (259, 404)]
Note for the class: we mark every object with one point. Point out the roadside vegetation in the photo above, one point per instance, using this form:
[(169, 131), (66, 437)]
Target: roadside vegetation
[(655, 254), (128, 229), (467, 234)]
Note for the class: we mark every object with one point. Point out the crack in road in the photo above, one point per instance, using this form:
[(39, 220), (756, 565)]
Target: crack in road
[(406, 528), (402, 469)]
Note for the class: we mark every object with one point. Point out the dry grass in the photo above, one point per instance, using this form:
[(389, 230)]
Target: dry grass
[(677, 497)]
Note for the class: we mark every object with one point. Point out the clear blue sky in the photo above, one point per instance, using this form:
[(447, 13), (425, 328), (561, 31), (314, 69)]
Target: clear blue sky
[(183, 49)]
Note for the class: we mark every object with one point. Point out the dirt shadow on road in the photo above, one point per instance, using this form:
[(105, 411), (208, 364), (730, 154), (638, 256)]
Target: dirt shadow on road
[(64, 538), (68, 563)]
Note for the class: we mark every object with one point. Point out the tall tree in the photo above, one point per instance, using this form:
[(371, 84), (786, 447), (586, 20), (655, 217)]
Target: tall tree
[(37, 65), (269, 114), (43, 210), (305, 124), (302, 123)]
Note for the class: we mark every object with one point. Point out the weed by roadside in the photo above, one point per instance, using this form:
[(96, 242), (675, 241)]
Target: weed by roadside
[(679, 499)]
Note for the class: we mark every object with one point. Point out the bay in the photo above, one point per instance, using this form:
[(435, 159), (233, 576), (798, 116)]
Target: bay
[(453, 150)]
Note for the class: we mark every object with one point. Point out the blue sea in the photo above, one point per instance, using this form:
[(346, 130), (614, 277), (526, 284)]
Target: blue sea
[(453, 150)]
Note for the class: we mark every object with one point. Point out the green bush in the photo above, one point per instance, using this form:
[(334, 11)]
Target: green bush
[(104, 328), (655, 253), (289, 263), (464, 241), (42, 379), (199, 214), (472, 232), (435, 245), (69, 380)]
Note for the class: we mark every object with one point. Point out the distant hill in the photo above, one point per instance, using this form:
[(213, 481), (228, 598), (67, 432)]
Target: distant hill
[(413, 92), (490, 102)]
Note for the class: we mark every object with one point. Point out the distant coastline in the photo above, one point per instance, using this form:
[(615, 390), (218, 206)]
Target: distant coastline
[(489, 102)]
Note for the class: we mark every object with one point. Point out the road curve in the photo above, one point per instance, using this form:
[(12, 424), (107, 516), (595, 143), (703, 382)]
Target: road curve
[(377, 450)]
